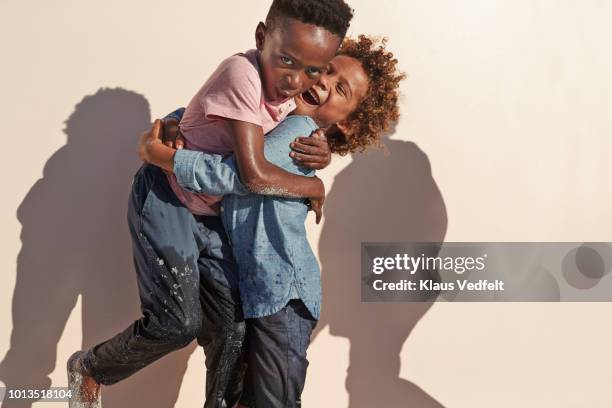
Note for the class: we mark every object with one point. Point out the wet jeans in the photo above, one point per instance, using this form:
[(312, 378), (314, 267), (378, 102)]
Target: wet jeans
[(188, 287)]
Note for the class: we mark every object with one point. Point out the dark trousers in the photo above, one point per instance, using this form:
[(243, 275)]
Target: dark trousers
[(276, 357), (188, 287)]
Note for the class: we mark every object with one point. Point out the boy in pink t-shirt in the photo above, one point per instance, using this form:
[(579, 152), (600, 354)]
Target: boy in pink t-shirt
[(186, 274), (233, 92)]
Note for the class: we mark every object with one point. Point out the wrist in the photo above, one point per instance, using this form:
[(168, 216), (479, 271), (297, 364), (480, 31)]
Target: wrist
[(320, 189)]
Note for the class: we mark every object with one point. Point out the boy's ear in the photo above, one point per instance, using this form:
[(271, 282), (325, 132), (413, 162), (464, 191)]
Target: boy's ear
[(339, 131), (260, 35)]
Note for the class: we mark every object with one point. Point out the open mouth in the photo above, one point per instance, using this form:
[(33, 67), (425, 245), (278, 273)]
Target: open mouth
[(311, 97)]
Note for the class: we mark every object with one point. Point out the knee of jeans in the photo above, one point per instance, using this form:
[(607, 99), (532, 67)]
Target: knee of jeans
[(185, 331)]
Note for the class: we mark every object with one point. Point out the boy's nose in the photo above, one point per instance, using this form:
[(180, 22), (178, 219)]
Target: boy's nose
[(323, 82), (294, 82)]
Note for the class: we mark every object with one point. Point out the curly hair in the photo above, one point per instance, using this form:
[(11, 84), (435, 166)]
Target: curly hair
[(333, 15), (379, 110)]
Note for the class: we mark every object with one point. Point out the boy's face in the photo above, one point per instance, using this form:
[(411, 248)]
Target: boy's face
[(337, 94), (293, 56)]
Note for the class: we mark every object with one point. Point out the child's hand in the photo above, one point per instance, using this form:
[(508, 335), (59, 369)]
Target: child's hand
[(152, 150), (312, 152), (147, 139), (316, 205), (171, 135)]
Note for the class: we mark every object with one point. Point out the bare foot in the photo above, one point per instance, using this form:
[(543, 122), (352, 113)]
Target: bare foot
[(85, 389)]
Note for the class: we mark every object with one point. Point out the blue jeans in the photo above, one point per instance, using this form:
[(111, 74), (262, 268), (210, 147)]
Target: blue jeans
[(188, 287), (276, 357)]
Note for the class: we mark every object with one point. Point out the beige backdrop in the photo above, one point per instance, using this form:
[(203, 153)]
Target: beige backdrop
[(505, 134)]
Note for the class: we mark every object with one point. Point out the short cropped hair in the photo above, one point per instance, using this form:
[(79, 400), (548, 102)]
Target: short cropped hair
[(333, 15)]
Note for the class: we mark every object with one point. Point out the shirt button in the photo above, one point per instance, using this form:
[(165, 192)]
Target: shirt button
[(221, 208)]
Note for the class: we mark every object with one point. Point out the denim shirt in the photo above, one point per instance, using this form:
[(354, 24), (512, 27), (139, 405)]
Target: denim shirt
[(267, 233)]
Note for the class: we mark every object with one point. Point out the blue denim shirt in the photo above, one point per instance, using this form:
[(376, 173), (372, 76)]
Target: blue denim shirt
[(267, 233)]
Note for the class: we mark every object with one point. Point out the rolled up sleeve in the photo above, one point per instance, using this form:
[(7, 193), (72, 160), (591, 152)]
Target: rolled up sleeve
[(207, 173)]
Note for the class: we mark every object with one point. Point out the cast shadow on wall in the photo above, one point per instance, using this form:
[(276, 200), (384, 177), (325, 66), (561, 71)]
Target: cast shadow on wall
[(75, 241), (386, 198)]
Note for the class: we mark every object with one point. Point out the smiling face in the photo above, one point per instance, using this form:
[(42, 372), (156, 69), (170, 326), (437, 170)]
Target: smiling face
[(337, 94), (293, 55)]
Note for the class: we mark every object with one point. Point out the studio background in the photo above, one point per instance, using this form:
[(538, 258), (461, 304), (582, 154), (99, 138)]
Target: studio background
[(505, 136)]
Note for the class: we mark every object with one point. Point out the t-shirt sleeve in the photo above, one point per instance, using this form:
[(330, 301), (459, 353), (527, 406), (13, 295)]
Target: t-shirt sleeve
[(235, 92)]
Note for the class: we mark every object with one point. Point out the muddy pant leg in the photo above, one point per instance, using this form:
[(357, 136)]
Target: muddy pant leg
[(223, 327), (166, 245), (276, 357)]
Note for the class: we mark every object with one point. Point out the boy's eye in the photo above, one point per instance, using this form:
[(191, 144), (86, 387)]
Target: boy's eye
[(340, 90), (313, 71), (286, 60)]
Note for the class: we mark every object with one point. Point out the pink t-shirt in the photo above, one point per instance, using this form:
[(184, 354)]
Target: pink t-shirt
[(233, 91)]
